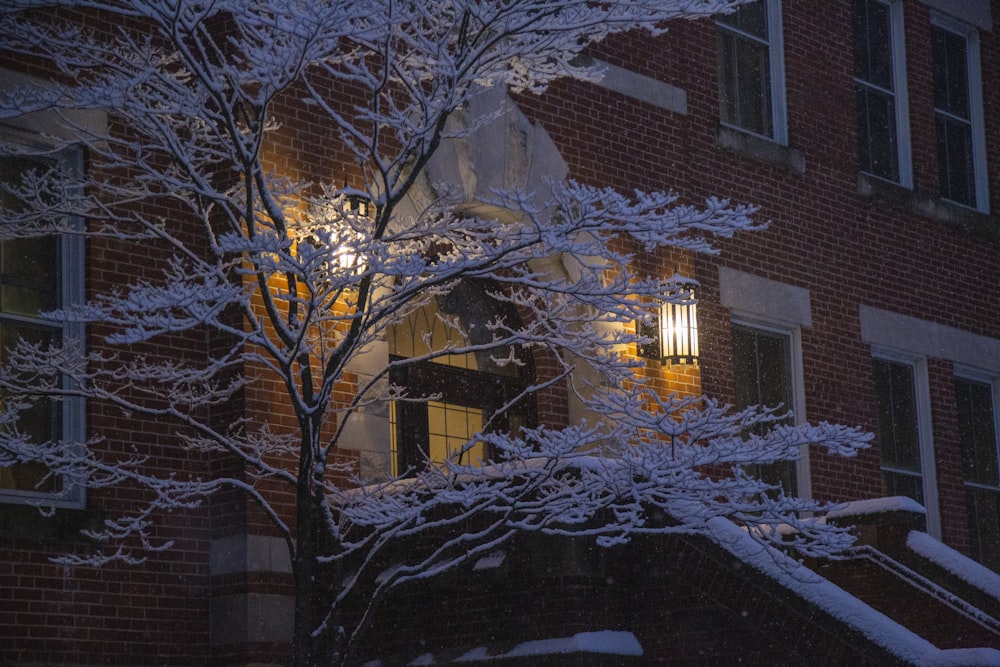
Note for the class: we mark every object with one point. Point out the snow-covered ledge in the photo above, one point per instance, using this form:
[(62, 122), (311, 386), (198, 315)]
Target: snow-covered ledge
[(875, 508), (881, 522), (961, 566)]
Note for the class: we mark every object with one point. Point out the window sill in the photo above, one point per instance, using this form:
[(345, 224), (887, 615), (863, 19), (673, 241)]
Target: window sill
[(761, 149), (25, 522), (927, 206)]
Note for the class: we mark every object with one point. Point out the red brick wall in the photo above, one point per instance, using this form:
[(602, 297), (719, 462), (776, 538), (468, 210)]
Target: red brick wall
[(52, 613), (845, 248)]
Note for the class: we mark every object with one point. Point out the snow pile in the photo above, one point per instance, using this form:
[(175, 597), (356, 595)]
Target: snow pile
[(605, 641), (877, 506), (609, 642), (490, 561)]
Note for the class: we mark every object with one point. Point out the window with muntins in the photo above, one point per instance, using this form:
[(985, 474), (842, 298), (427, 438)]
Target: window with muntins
[(751, 70), (880, 90), (898, 429), (37, 274), (762, 362), (977, 434), (472, 392), (958, 114)]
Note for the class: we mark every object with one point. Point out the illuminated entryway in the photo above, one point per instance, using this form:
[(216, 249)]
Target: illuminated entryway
[(471, 389)]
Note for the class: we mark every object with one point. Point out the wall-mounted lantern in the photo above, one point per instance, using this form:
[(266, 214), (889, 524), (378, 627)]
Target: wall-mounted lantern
[(675, 338), (679, 324), (359, 205), (338, 225)]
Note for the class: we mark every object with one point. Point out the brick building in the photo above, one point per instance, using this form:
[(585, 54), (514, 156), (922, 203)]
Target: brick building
[(868, 133)]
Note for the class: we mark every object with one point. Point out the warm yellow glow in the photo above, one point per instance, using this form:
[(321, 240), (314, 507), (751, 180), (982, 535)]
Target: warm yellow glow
[(342, 223), (424, 332), (393, 439), (346, 258), (450, 428), (679, 327)]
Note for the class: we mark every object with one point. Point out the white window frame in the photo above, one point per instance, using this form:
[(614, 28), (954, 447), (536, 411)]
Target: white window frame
[(72, 291), (925, 432), (897, 29), (976, 117), (803, 478), (776, 61)]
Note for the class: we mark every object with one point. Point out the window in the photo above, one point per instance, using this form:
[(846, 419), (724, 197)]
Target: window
[(880, 89), (907, 460), (897, 427), (751, 70), (38, 274), (958, 114), (762, 361), (977, 430), (470, 390)]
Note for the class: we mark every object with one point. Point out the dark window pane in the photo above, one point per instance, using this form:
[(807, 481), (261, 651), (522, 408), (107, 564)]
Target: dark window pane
[(29, 283), (41, 421), (31, 260), (878, 152), (29, 477), (762, 365), (952, 104), (955, 169), (28, 266), (745, 366), (28, 275), (745, 82), (902, 484), (728, 90), (13, 169), (951, 75), (872, 43), (897, 415), (750, 18), (774, 382), (976, 430), (762, 362), (984, 525)]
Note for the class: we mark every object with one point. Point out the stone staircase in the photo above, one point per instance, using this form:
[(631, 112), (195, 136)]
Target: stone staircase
[(923, 596)]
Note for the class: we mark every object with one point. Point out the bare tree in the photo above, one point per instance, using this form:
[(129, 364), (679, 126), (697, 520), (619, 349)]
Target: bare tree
[(300, 276)]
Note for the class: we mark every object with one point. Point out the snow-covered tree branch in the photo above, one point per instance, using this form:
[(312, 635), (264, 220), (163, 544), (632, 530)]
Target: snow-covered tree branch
[(296, 265)]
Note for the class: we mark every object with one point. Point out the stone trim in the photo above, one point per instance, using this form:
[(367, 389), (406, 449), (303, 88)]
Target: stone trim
[(886, 329), (761, 149), (928, 206), (248, 553), (762, 298), (974, 12), (643, 88)]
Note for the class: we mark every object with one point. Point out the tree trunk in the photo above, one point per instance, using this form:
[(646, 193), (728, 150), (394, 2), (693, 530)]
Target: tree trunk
[(304, 643)]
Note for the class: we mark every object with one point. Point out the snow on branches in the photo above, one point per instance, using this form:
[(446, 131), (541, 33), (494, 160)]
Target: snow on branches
[(217, 172)]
